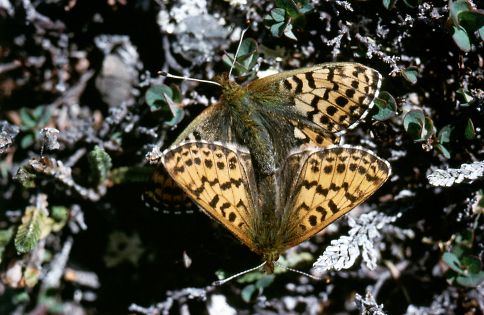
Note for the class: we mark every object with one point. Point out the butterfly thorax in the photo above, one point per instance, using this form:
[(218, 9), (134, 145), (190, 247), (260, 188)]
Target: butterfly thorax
[(249, 125)]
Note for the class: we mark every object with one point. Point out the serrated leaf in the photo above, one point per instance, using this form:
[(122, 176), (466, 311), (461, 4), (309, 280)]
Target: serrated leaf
[(100, 164), (28, 233), (387, 106), (410, 74), (461, 39)]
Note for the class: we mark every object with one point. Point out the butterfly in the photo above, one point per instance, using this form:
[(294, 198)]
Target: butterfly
[(313, 187)]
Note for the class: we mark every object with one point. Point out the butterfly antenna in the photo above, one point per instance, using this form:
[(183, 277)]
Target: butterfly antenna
[(223, 281), (298, 271), (237, 52), (169, 75)]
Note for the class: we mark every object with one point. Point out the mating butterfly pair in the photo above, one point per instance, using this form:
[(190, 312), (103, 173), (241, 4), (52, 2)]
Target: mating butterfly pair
[(269, 195)]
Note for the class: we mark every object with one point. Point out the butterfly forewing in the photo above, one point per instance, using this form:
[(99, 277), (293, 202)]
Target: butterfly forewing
[(219, 178), (330, 182), (335, 96)]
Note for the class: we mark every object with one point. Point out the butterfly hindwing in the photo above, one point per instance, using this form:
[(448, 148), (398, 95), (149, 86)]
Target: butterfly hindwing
[(334, 96), (165, 195), (219, 178), (328, 183)]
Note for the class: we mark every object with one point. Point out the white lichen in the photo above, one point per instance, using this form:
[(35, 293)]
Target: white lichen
[(466, 173), (360, 241), (367, 305)]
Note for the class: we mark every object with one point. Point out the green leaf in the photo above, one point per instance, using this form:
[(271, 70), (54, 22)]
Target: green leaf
[(443, 150), (289, 6), (295, 8), (100, 164), (27, 121), (470, 131), (28, 233), (306, 8), (481, 33), (456, 8), (248, 47), (388, 4), (429, 129), (246, 57), (21, 297), (471, 20), (31, 276), (465, 96), (461, 39), (59, 215), (453, 262), (265, 281), (413, 122), (277, 29), (410, 74), (412, 3), (288, 32), (444, 134), (472, 280), (278, 14), (5, 237), (155, 96), (471, 264), (387, 106), (43, 115), (25, 177), (247, 292), (27, 141)]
